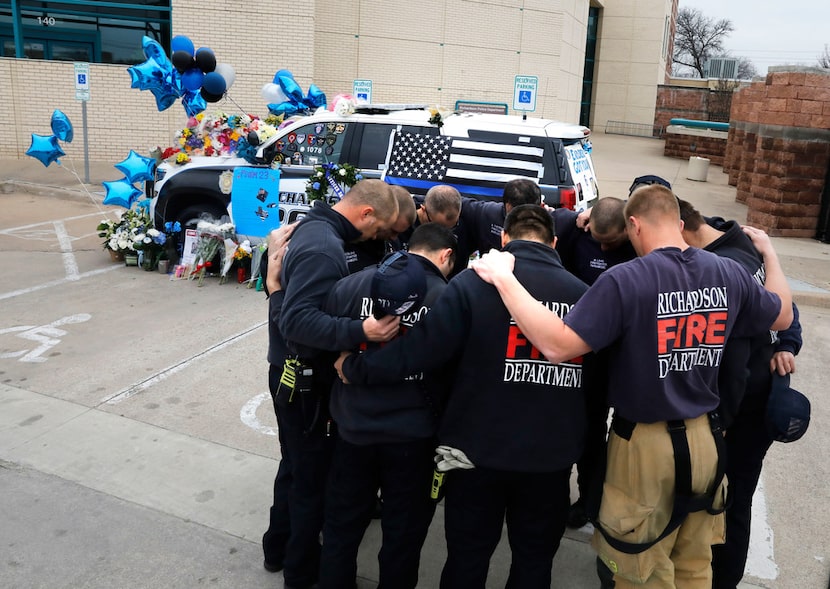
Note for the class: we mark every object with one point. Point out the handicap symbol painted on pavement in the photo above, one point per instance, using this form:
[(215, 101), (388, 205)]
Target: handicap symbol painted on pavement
[(48, 336)]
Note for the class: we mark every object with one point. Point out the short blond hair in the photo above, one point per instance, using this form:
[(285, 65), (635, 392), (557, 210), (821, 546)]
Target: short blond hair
[(653, 203)]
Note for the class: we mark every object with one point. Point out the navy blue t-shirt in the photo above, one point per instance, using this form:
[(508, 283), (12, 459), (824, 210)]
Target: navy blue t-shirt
[(665, 318)]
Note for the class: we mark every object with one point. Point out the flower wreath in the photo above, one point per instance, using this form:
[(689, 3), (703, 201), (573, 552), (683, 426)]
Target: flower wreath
[(331, 176)]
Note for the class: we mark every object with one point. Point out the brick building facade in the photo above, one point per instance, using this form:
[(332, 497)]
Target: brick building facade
[(432, 52)]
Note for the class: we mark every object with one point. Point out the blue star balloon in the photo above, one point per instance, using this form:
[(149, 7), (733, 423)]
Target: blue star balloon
[(45, 148), (153, 50), (147, 75), (121, 193), (136, 167), (193, 103), (62, 127), (164, 98)]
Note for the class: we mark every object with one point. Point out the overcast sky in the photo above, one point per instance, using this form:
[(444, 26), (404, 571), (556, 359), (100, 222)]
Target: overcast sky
[(779, 32)]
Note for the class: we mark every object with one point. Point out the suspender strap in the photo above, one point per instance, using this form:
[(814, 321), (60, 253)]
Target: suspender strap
[(684, 501)]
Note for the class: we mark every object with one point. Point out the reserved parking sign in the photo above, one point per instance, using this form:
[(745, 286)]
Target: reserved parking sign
[(524, 93)]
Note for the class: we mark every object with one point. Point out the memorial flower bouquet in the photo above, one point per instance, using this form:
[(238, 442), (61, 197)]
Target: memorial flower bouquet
[(338, 178), (211, 238)]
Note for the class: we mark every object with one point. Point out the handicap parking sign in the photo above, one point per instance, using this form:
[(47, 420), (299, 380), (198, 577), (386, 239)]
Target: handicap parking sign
[(524, 93)]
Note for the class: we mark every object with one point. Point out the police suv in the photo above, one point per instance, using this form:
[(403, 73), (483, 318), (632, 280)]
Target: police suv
[(565, 172)]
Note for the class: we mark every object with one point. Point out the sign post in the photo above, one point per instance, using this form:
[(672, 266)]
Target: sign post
[(362, 91), (82, 94), (524, 94)]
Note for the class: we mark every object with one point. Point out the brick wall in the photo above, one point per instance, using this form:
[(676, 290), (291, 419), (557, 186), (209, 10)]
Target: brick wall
[(679, 102), (778, 150), (683, 145)]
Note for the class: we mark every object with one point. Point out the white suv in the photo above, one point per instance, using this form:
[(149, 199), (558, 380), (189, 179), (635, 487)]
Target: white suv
[(566, 174)]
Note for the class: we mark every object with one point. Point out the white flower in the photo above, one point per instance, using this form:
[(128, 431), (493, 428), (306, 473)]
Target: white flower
[(140, 237), (342, 172), (344, 107), (226, 181), (153, 232), (147, 239)]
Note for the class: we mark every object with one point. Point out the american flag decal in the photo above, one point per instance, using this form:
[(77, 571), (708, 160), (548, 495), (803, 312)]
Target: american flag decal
[(419, 162)]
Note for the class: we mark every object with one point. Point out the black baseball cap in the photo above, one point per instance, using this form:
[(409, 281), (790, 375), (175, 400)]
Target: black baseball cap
[(399, 284), (646, 181), (788, 411)]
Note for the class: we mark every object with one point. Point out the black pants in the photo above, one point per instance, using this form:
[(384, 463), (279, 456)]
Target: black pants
[(477, 503), (747, 443), (591, 465), (300, 483), (403, 471), (279, 525)]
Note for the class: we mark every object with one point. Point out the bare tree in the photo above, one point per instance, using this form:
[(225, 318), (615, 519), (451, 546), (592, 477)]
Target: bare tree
[(697, 38), (824, 58), (746, 69)]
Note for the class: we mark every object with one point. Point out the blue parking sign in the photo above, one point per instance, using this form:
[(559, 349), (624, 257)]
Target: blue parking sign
[(524, 96)]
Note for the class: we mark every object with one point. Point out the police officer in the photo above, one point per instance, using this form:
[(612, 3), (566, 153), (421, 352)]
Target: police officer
[(666, 316), (313, 263), (385, 435), (517, 419)]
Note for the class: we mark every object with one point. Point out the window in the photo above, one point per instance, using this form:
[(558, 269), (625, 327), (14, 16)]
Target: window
[(84, 30)]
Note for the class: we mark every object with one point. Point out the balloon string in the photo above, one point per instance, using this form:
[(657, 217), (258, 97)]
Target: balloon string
[(74, 173), (242, 110)]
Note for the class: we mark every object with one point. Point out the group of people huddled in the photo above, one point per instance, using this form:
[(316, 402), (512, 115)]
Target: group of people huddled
[(401, 377)]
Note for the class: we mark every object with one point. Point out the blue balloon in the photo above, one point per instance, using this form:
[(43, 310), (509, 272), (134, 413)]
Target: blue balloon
[(164, 98), (173, 83), (147, 75), (62, 127), (45, 149), (193, 103), (285, 73), (290, 88), (136, 167), (182, 43), (214, 83), (286, 108), (316, 98), (192, 79), (153, 50), (121, 193)]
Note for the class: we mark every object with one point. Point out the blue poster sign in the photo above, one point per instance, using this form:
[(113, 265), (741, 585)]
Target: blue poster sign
[(255, 200)]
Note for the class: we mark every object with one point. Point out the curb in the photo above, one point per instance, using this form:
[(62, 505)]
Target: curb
[(9, 186), (812, 299)]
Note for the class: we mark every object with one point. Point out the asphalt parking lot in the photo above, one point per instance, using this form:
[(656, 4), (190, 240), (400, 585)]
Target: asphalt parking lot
[(137, 441)]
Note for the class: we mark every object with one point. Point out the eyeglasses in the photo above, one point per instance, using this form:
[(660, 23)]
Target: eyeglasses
[(429, 218)]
